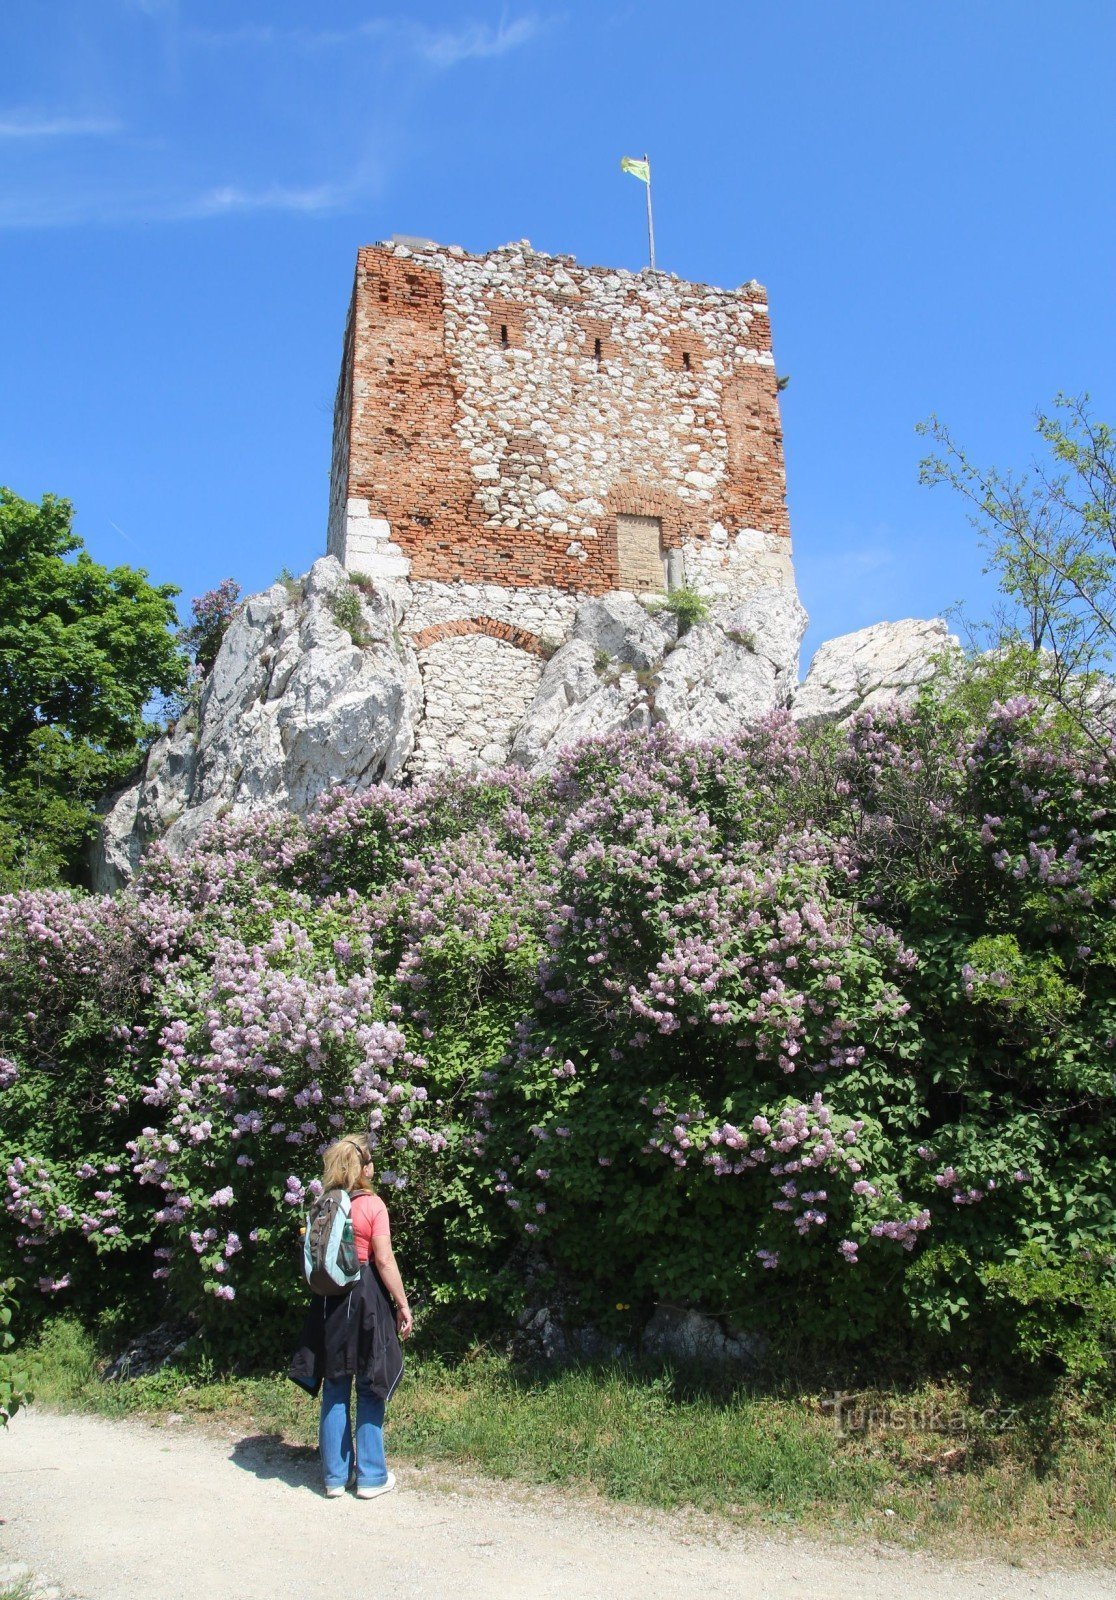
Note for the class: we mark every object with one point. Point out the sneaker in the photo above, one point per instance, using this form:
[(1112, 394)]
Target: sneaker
[(370, 1491), (332, 1490)]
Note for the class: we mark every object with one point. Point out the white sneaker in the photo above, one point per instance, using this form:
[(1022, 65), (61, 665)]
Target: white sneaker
[(332, 1490), (379, 1488)]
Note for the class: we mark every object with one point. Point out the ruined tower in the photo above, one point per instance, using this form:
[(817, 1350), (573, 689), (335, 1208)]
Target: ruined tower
[(514, 432)]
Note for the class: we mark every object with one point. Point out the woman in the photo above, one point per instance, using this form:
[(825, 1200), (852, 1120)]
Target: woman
[(355, 1335)]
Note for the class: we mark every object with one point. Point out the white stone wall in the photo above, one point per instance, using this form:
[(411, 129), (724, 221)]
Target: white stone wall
[(548, 613), (731, 565), (476, 691), (635, 416), (368, 546)]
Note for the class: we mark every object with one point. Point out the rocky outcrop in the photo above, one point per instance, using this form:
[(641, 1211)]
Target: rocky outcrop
[(619, 627), (295, 703), (318, 684), (622, 668), (872, 667), (578, 696)]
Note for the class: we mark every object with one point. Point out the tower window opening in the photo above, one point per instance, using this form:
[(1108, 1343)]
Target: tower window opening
[(685, 360), (597, 351), (504, 334)]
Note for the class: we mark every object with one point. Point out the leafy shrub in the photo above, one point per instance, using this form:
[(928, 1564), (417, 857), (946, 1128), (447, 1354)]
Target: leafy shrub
[(345, 604), (807, 1030), (211, 614), (1065, 1309), (15, 1382), (687, 605)]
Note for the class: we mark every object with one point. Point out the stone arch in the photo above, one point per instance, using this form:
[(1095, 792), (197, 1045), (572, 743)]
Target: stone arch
[(519, 637), (637, 499), (477, 684)]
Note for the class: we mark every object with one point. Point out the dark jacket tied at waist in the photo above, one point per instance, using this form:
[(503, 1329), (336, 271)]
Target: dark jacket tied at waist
[(350, 1335)]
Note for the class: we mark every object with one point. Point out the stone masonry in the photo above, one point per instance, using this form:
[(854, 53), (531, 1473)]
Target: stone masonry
[(514, 432)]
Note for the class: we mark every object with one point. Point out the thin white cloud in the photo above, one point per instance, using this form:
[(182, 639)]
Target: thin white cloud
[(41, 125), (109, 207), (441, 48), (447, 48), (229, 198)]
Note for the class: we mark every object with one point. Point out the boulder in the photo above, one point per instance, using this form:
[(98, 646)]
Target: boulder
[(576, 699), (736, 665), (678, 1333), (620, 627), (293, 705), (872, 667)]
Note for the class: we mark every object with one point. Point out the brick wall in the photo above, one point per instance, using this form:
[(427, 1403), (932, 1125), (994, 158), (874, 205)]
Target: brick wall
[(496, 415)]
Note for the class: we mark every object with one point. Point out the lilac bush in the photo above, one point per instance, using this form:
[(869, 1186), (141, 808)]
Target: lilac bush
[(783, 1024), (211, 614)]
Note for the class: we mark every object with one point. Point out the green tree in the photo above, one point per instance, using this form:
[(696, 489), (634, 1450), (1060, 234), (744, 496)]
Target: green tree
[(82, 649), (1050, 534)]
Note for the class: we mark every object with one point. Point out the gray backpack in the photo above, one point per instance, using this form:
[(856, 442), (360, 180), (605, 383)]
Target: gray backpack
[(329, 1258)]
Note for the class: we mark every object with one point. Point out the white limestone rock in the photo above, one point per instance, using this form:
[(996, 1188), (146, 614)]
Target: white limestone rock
[(617, 624), (872, 667), (773, 619), (739, 663), (712, 684), (575, 700), (291, 707)]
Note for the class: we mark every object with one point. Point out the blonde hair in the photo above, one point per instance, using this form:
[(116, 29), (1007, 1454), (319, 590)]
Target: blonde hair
[(344, 1162)]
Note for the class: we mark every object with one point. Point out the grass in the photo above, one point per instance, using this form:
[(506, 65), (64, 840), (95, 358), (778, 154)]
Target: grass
[(925, 1467)]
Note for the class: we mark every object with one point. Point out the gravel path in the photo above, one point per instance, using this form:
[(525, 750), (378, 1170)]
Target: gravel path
[(134, 1511)]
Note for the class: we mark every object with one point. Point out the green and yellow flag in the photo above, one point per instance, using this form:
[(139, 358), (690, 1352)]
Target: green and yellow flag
[(638, 169)]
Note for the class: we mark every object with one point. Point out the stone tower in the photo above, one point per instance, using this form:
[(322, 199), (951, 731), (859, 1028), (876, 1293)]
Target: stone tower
[(516, 419), (514, 432)]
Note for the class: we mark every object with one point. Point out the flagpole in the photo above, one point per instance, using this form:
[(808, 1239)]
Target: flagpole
[(650, 222)]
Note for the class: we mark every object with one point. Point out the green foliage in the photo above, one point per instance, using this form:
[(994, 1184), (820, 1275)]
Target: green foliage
[(1058, 1309), (1050, 535), (807, 1030), (685, 604), (15, 1381), (349, 614), (82, 649)]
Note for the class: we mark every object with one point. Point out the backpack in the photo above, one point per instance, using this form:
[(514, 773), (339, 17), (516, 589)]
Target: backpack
[(329, 1258)]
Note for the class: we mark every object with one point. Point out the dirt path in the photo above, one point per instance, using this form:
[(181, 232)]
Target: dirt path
[(132, 1511)]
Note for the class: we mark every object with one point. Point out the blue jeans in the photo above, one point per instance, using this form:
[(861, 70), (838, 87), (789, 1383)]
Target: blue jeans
[(335, 1435)]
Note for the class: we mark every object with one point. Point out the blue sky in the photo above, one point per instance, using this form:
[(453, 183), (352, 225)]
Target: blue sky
[(924, 186)]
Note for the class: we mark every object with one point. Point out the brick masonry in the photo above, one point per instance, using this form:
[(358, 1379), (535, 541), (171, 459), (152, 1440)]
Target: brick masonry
[(496, 414), (514, 432)]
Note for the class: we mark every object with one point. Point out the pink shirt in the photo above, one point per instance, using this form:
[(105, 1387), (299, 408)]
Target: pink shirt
[(370, 1221)]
